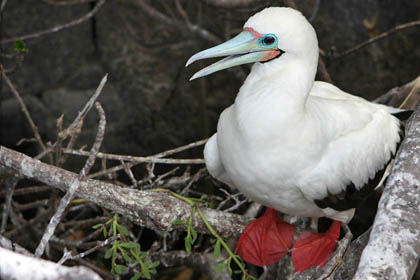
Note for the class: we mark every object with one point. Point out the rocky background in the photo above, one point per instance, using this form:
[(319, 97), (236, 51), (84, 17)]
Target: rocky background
[(143, 45)]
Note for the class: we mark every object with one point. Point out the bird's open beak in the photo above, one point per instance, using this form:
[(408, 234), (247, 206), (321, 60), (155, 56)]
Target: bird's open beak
[(243, 48)]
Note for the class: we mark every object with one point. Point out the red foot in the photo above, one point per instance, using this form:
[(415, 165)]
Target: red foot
[(266, 240), (314, 249)]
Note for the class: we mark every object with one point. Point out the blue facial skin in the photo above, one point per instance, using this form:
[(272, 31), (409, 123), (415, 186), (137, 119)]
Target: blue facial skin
[(268, 41)]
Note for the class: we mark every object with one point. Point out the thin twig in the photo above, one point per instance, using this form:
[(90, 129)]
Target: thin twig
[(89, 104), (75, 184), (3, 4), (68, 256), (129, 173), (179, 24), (159, 155), (10, 184), (415, 88), (27, 190), (57, 28), (377, 38), (23, 107), (194, 179), (315, 11), (152, 159), (67, 2), (182, 12)]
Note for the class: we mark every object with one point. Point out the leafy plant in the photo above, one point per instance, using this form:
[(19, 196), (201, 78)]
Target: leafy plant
[(20, 46), (219, 241), (129, 252)]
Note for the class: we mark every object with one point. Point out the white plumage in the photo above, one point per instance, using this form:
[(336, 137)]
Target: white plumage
[(287, 140)]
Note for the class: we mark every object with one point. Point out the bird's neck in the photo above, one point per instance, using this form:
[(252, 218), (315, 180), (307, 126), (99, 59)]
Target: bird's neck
[(276, 94)]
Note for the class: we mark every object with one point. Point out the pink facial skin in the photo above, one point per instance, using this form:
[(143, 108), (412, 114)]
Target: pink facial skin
[(268, 54)]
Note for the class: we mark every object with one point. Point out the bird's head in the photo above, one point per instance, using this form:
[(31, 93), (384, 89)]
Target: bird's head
[(267, 37)]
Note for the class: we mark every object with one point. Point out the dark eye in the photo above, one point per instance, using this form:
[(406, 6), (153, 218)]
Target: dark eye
[(269, 39)]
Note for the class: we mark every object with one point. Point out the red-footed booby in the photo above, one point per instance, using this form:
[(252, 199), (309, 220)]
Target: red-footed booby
[(292, 144)]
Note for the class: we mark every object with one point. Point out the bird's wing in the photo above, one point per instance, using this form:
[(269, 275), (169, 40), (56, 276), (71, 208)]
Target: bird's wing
[(361, 137), (213, 162), (329, 91)]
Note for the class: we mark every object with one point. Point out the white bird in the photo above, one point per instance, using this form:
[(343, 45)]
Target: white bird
[(288, 142)]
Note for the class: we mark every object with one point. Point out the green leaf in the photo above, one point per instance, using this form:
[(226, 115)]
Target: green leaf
[(105, 232), (145, 271), (20, 46), (216, 252), (125, 256), (97, 226), (178, 222), (193, 235), (122, 229), (221, 266), (136, 277), (229, 269), (154, 264), (119, 268), (188, 244), (129, 245), (108, 253), (137, 250)]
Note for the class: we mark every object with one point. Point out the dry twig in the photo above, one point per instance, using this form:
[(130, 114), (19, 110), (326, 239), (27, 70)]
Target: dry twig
[(377, 38), (57, 28), (155, 210), (68, 255), (74, 185), (24, 108)]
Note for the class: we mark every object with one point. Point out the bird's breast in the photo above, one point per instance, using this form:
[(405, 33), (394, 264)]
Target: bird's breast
[(265, 165)]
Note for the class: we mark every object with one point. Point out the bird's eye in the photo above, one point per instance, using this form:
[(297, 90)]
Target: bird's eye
[(269, 39)]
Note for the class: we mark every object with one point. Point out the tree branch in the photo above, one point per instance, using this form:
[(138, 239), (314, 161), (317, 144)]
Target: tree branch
[(23, 108), (393, 250), (152, 209), (59, 27), (377, 38), (17, 266), (229, 4), (55, 220)]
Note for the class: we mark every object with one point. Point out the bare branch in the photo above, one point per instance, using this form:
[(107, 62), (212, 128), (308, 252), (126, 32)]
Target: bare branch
[(17, 266), (10, 183), (59, 27), (23, 107), (377, 38), (68, 2), (152, 209), (55, 220), (137, 159), (3, 4), (397, 95), (89, 104), (229, 4), (68, 256), (159, 155), (393, 250), (179, 24)]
